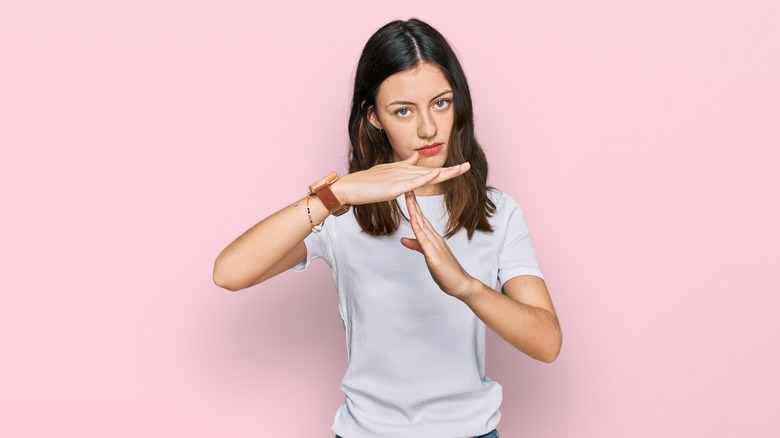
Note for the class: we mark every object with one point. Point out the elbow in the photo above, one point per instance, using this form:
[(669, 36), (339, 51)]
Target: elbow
[(553, 349), (224, 280), (547, 347), (227, 286), (225, 283), (550, 356)]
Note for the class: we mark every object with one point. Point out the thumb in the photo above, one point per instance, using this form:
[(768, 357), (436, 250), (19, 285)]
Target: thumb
[(411, 244), (413, 159)]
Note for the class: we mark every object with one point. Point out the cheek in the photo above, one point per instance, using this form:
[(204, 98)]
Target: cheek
[(399, 134), (447, 120), (397, 145)]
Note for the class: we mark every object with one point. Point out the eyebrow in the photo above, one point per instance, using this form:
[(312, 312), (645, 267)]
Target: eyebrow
[(403, 102)]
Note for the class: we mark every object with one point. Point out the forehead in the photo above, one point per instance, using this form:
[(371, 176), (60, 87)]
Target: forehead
[(418, 84)]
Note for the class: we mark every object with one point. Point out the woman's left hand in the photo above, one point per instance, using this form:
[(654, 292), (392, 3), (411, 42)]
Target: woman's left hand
[(444, 267), (523, 314)]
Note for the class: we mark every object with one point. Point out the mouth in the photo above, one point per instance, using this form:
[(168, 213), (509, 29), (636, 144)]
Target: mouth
[(430, 149)]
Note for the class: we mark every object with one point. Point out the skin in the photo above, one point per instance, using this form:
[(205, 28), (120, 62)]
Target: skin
[(414, 109), (523, 315)]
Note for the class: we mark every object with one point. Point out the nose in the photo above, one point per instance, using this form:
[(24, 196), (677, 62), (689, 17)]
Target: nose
[(426, 125)]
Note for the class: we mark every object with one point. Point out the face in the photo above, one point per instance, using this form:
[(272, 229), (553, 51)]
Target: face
[(414, 107)]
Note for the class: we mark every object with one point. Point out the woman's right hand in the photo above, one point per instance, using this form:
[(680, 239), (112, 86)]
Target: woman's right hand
[(388, 181), (275, 244)]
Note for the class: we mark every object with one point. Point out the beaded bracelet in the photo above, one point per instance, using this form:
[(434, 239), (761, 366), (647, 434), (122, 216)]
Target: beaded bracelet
[(314, 228)]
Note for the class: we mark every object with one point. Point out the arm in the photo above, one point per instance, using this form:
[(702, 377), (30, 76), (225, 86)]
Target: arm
[(270, 247), (275, 244), (523, 316)]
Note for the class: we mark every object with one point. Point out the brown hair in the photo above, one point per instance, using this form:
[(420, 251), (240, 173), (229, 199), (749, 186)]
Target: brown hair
[(399, 46)]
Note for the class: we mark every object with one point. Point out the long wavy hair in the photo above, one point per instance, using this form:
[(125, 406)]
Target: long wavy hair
[(399, 46)]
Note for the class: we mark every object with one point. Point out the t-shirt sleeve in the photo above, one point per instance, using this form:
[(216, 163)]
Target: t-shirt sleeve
[(517, 254), (316, 247)]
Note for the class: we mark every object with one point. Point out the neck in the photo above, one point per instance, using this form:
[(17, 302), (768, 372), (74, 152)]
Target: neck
[(429, 190)]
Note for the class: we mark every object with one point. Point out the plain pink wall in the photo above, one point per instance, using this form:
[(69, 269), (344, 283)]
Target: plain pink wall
[(138, 139)]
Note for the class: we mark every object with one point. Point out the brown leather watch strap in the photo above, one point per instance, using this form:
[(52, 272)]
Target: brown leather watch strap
[(322, 189)]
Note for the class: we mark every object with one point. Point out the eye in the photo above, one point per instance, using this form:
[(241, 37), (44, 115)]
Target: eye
[(403, 112), (442, 104)]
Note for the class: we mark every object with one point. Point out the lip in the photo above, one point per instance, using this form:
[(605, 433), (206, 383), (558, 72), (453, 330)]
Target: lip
[(430, 149)]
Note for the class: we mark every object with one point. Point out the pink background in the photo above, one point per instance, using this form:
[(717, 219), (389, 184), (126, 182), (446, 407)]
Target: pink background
[(138, 139)]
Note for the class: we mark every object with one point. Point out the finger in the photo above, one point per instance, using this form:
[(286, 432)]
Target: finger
[(413, 206), (427, 237), (411, 244), (431, 235), (414, 212), (421, 180), (424, 230), (452, 172), (418, 229), (413, 159)]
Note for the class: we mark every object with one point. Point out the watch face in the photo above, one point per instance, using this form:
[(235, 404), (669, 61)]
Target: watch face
[(328, 180)]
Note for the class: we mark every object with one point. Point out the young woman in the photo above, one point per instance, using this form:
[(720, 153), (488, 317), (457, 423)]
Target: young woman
[(416, 260)]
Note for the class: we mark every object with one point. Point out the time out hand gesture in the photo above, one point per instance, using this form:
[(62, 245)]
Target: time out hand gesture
[(387, 181), (444, 267)]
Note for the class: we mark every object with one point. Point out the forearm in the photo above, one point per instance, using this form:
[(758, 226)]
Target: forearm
[(276, 243), (248, 258), (533, 330)]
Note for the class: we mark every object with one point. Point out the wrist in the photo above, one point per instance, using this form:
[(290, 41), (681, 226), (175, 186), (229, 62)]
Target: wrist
[(322, 189), (471, 290), (338, 191)]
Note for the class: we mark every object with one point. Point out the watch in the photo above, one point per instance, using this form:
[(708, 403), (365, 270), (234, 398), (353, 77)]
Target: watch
[(322, 189)]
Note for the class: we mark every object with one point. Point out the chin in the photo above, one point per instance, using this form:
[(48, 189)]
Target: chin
[(433, 161)]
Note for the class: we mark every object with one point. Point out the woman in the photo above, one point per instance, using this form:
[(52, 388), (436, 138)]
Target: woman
[(416, 261)]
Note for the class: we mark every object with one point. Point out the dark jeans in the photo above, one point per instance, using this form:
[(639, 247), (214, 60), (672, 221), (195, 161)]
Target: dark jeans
[(492, 434)]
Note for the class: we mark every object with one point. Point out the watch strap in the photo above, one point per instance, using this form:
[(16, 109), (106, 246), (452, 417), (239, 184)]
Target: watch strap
[(322, 189)]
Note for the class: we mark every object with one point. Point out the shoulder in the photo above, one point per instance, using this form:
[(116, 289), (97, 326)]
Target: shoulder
[(504, 203), (508, 215)]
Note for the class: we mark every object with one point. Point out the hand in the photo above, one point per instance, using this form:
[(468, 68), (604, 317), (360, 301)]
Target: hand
[(444, 267), (387, 181)]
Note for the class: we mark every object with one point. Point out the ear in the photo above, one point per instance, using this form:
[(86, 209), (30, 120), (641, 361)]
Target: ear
[(373, 119)]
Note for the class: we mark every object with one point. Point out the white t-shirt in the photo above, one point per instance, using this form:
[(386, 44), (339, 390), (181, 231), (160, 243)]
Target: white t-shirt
[(416, 356)]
